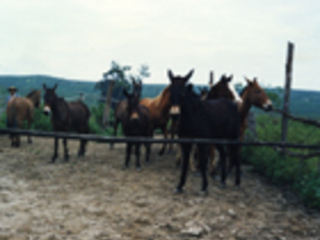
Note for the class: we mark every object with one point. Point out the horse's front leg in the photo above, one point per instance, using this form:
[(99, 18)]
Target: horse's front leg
[(202, 154), (66, 152), (165, 132), (128, 154), (137, 151), (56, 147), (185, 166)]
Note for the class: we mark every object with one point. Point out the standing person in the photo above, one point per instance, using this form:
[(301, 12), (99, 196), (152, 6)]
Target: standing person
[(13, 93)]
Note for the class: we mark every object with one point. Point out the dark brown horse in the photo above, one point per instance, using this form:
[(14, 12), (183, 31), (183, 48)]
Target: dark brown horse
[(136, 123), (217, 119), (21, 109), (252, 95), (159, 112), (66, 116), (121, 107)]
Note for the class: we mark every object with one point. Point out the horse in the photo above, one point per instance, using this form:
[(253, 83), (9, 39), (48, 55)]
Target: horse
[(217, 119), (20, 109), (136, 123), (159, 113), (121, 107), (252, 95), (65, 116)]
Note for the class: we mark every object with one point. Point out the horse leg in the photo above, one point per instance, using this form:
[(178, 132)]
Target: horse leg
[(173, 127), (235, 160), (56, 146), (65, 145), (148, 147), (165, 132), (137, 151), (185, 166), (202, 156), (128, 153), (29, 137), (222, 154), (115, 127)]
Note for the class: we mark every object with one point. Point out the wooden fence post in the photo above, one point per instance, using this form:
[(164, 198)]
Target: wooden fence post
[(286, 99), (106, 113)]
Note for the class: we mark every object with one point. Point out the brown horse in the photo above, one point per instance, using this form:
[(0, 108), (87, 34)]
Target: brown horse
[(66, 116), (21, 109), (159, 112)]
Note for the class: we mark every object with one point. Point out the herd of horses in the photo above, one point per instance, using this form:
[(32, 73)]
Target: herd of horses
[(216, 113)]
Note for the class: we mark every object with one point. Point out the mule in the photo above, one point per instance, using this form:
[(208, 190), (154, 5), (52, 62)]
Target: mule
[(136, 123), (121, 107), (65, 117), (21, 109), (211, 119)]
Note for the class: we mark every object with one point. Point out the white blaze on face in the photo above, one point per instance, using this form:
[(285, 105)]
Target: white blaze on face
[(175, 110), (235, 94), (46, 109), (134, 116), (267, 104)]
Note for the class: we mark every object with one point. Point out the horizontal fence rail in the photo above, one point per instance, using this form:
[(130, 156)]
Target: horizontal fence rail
[(98, 138)]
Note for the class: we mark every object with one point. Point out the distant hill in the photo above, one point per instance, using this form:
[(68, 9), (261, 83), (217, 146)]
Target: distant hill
[(303, 103)]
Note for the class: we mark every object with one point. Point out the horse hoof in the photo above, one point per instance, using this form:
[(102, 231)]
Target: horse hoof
[(204, 192), (161, 152), (223, 186), (178, 190), (125, 167), (138, 169)]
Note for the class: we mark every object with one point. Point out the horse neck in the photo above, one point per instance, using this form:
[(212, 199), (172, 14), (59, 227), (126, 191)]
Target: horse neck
[(245, 106), (33, 98), (163, 101)]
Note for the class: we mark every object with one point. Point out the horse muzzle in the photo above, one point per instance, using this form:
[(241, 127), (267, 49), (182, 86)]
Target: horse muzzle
[(267, 106), (175, 112), (46, 110)]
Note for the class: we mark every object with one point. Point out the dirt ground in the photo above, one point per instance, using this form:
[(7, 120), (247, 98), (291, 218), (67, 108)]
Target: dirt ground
[(94, 198)]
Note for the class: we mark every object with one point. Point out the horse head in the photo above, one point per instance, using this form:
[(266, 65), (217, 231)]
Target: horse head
[(177, 92), (255, 94), (133, 105), (224, 89), (137, 86), (49, 97)]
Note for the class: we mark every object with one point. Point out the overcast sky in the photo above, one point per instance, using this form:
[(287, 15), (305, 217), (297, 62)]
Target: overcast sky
[(78, 39)]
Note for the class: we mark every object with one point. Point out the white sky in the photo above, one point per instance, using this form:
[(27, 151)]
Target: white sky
[(78, 39)]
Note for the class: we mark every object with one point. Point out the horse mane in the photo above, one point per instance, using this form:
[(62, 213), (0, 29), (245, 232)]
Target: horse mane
[(243, 91), (31, 93)]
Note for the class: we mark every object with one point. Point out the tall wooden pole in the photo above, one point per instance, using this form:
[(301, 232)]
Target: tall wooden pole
[(286, 99), (211, 79), (106, 113)]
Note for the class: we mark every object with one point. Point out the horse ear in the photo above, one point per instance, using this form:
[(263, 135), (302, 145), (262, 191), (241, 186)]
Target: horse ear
[(230, 78), (170, 75), (188, 76), (125, 92), (255, 79), (55, 86), (248, 80), (44, 86)]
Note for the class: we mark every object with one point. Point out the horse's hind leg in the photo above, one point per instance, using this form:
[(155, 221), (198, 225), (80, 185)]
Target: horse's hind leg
[(29, 137), (82, 148), (235, 161), (202, 154), (66, 153)]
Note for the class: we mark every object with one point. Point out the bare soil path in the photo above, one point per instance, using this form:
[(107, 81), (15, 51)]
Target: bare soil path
[(93, 198)]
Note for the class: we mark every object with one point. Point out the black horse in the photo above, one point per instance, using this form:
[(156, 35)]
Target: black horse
[(66, 116), (211, 119), (136, 123)]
